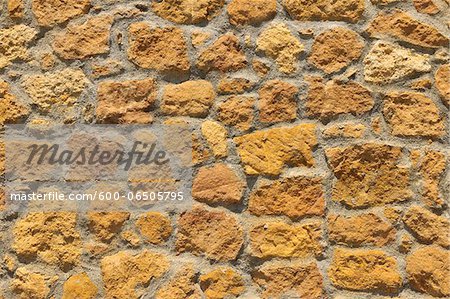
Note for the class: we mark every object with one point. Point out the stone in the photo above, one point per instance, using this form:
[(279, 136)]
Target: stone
[(106, 68), (421, 84), (216, 137), (131, 238), (426, 6), (251, 12), (224, 55), (332, 98), (125, 274), (325, 10), (155, 227), (50, 236), (277, 280), (384, 2), (389, 63), (237, 111), (126, 101), (368, 175), (261, 68), (428, 269), (442, 83), (53, 12), (30, 284), (278, 43), (400, 25), (190, 98), (106, 225), (181, 285), (278, 239), (334, 49), (79, 286), (218, 184), (234, 85), (268, 151), (412, 114), (11, 110), (57, 90), (221, 283), (214, 234), (148, 48), (432, 169), (364, 270), (345, 130), (85, 40), (428, 227), (360, 230), (16, 9), (14, 43), (199, 38), (295, 197), (277, 101), (187, 11), (406, 243)]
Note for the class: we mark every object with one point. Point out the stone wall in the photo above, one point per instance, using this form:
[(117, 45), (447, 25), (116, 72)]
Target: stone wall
[(321, 146)]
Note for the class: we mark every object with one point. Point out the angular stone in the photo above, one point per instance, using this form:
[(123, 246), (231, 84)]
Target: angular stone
[(131, 238), (427, 226), (325, 10), (218, 184), (187, 11), (222, 283), (442, 83), (426, 7), (155, 227), (400, 25), (79, 286), (254, 12), (106, 225), (421, 84), (53, 12), (412, 114), (388, 63), (191, 98), (16, 8), (294, 197), (234, 85), (215, 234), (181, 285), (278, 43), (126, 101), (124, 274), (368, 175), (335, 49), (360, 230), (85, 40), (216, 136), (268, 151), (11, 110), (30, 284), (199, 38), (276, 280), (432, 170), (277, 101), (428, 270), (332, 98), (406, 243), (56, 90), (345, 130), (51, 236), (148, 48), (224, 55), (278, 239), (384, 2), (106, 68), (261, 68), (237, 111), (364, 270), (14, 42)]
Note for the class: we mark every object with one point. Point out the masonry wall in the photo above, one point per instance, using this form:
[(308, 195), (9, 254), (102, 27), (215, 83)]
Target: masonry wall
[(320, 147)]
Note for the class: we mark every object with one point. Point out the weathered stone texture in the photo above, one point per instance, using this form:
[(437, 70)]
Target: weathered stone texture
[(442, 82), (14, 43), (155, 227), (11, 110), (53, 12), (252, 12), (277, 101), (187, 11), (237, 111), (79, 286), (222, 283)]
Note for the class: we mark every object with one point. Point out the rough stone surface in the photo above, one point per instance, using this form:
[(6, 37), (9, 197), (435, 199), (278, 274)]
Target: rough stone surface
[(267, 151), (364, 270), (426, 7), (294, 197), (126, 101), (402, 26), (218, 184), (11, 110), (222, 283), (234, 86), (442, 83), (412, 114), (215, 234), (428, 269), (187, 11), (345, 130), (216, 136), (335, 49), (51, 13), (155, 227), (105, 225), (29, 284), (388, 63), (325, 10), (182, 285), (253, 12), (368, 175), (237, 111), (332, 98), (278, 43), (277, 101), (79, 286), (13, 44), (432, 170)]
